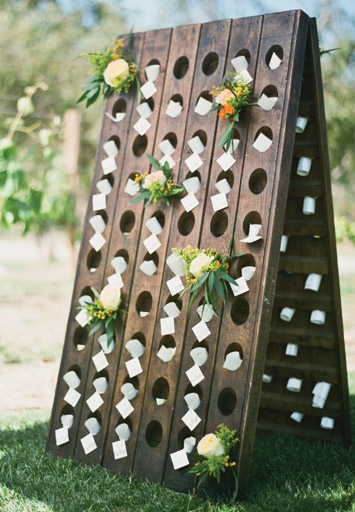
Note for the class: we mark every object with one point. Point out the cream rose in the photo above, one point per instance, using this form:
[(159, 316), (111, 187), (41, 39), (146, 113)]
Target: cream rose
[(116, 69), (196, 265), (158, 176), (210, 445), (110, 297), (224, 96)]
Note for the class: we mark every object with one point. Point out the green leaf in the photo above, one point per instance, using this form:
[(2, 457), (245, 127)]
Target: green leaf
[(227, 136), (200, 281), (226, 276), (192, 298), (110, 331), (96, 293), (210, 282), (230, 244), (82, 97), (237, 255), (154, 162), (140, 197), (219, 288), (97, 325)]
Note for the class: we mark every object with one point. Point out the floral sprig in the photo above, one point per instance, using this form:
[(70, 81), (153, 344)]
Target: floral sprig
[(158, 185), (113, 71), (103, 310), (209, 269), (215, 449), (231, 97)]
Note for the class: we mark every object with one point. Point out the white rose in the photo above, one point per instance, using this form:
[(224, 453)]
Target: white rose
[(158, 176), (116, 69), (198, 263), (110, 297), (210, 445)]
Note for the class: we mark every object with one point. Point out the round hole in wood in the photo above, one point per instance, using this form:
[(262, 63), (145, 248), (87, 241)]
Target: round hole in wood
[(245, 53), (103, 373), (171, 137), (177, 98), (219, 223), (174, 299), (153, 62), (139, 145), (270, 91), (202, 135), (240, 311), (87, 291), (210, 63), (93, 260), (265, 130), (132, 380), (160, 217), (201, 344), (190, 389), (258, 181), (119, 107), (205, 95), (152, 257), (274, 49), (168, 341), (186, 223), (75, 368), (236, 134), (247, 260), (103, 215), (181, 67), (251, 218), (234, 347), (227, 400), (144, 303), (95, 415), (109, 177), (139, 336), (194, 174), (154, 433), (67, 409), (123, 254), (116, 140), (160, 389), (80, 338), (183, 434), (226, 175), (127, 222), (150, 102), (125, 420)]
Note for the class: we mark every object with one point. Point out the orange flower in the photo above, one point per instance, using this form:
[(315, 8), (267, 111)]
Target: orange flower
[(229, 109), (222, 114)]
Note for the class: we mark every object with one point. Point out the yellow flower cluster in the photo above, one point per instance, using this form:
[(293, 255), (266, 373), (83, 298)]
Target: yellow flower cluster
[(226, 463), (115, 51), (139, 177), (216, 91)]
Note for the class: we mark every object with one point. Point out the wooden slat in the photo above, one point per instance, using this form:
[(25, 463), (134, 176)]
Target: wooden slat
[(303, 265), (319, 435), (299, 300)]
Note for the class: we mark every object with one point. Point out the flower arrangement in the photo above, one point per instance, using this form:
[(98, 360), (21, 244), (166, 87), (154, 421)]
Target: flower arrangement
[(113, 71), (215, 449), (157, 185), (231, 97), (103, 310), (209, 269)]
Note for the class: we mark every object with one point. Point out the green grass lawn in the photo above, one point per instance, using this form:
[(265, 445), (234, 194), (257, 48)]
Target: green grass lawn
[(288, 475)]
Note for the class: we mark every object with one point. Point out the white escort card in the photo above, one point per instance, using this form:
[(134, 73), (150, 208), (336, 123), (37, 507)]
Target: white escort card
[(284, 242), (179, 459), (142, 125), (176, 265), (304, 166), (253, 235), (97, 241), (175, 285), (97, 223), (167, 325), (205, 312), (320, 391), (119, 449), (240, 287), (327, 423), (193, 162), (189, 202), (134, 367), (226, 161), (124, 407), (199, 355), (152, 243), (266, 102), (262, 143), (294, 384), (82, 318), (232, 361), (313, 282), (167, 158), (267, 378), (71, 378), (219, 201), (100, 384), (318, 317), (85, 299), (135, 348), (93, 426), (144, 110), (189, 444), (72, 397), (115, 280), (239, 63), (148, 89), (223, 186), (301, 124), (110, 148), (106, 347), (123, 432), (173, 109), (152, 72), (166, 147), (67, 420), (119, 264), (100, 361), (172, 310), (274, 62), (132, 188), (232, 146), (309, 205), (291, 350), (108, 165), (192, 185), (148, 267), (201, 331), (191, 419), (166, 353), (118, 118), (192, 400), (129, 391), (203, 106), (248, 272), (196, 145), (194, 375), (286, 314), (88, 444), (104, 186), (297, 416), (98, 202), (246, 76), (61, 436)]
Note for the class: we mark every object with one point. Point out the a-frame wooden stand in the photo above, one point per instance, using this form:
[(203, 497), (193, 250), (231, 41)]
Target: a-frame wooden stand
[(265, 189)]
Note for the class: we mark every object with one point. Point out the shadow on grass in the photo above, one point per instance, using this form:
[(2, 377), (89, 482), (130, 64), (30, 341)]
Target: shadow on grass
[(288, 475)]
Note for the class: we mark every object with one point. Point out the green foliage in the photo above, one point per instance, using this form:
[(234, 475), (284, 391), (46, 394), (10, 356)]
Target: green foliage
[(344, 230)]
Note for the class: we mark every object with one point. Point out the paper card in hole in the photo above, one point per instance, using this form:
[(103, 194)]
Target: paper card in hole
[(169, 159), (291, 350), (107, 348), (97, 223), (71, 378), (166, 147), (82, 318), (240, 287), (327, 423), (148, 267), (108, 165), (119, 449), (223, 186), (97, 241), (232, 147), (84, 299), (144, 110), (125, 408), (104, 186), (275, 61), (167, 325), (132, 188), (297, 416), (61, 436), (193, 162), (195, 375), (189, 202), (119, 264), (175, 285), (176, 264), (115, 280), (100, 361), (232, 361), (148, 89), (219, 202), (173, 109), (253, 235), (246, 76), (189, 444), (267, 378), (172, 310), (262, 143), (152, 243), (72, 397), (192, 185), (67, 420), (98, 202), (203, 106), (154, 226), (118, 118), (88, 444), (266, 102), (152, 72), (134, 367), (205, 312), (135, 347), (191, 419), (179, 459), (226, 161), (142, 126), (240, 63), (196, 145), (199, 355), (110, 148), (201, 331), (94, 401), (166, 353)]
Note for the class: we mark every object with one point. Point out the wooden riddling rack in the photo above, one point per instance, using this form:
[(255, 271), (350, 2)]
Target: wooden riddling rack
[(192, 60)]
